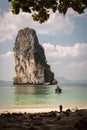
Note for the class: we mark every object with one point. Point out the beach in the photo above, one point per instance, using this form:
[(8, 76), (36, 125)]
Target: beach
[(52, 120), (35, 110)]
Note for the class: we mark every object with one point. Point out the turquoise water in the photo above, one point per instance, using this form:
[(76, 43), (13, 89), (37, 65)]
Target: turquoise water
[(12, 96)]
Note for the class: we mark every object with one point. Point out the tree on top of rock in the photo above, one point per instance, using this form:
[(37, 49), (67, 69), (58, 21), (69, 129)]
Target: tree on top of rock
[(40, 9)]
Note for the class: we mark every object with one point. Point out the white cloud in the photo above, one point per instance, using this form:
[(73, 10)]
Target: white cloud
[(7, 55), (56, 25), (68, 61), (7, 66), (73, 14), (75, 51)]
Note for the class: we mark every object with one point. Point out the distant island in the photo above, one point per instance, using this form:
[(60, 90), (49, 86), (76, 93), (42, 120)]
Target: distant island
[(2, 82), (63, 80), (30, 61)]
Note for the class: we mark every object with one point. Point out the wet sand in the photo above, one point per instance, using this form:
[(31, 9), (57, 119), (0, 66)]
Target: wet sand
[(53, 120)]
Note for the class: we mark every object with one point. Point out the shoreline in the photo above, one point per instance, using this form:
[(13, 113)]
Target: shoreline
[(37, 110)]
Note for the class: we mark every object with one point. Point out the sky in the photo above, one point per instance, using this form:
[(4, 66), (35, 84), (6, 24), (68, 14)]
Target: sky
[(64, 39)]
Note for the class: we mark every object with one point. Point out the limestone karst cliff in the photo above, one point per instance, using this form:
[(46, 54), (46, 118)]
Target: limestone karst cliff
[(30, 62)]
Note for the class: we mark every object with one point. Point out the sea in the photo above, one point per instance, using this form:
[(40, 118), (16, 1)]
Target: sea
[(43, 96)]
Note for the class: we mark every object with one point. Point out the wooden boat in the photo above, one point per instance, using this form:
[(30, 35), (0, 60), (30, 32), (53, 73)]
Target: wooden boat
[(58, 89)]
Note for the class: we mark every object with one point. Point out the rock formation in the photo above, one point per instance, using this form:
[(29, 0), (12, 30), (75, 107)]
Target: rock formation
[(30, 62)]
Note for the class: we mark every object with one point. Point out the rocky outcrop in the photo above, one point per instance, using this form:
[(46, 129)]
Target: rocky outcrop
[(30, 62)]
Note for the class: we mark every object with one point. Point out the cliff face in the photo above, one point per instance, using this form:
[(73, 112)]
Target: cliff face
[(30, 61)]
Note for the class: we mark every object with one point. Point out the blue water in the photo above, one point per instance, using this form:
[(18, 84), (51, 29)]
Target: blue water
[(12, 96)]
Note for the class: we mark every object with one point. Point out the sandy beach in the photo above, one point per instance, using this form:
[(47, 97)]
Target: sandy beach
[(35, 110), (28, 110), (41, 119)]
